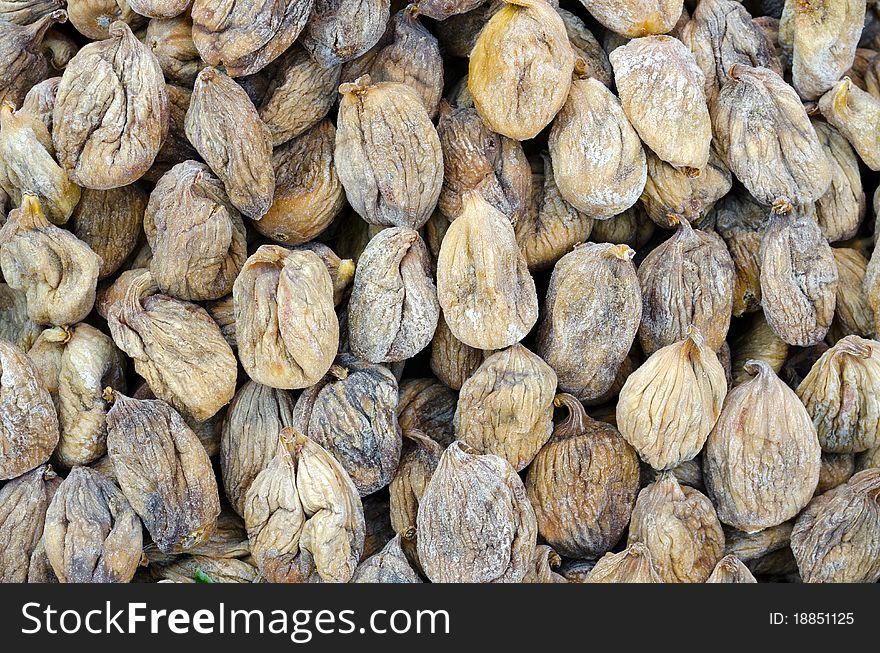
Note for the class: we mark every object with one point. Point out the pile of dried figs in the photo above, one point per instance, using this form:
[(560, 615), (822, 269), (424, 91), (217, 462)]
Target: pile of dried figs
[(450, 291)]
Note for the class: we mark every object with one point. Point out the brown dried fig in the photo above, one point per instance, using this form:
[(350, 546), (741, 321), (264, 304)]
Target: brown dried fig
[(741, 222), (856, 115), (730, 570), (22, 64), (342, 30), (160, 8), (852, 312), (841, 210), (92, 18), (632, 565), (15, 325), (757, 341), (171, 41), (429, 407), (418, 461), (634, 18), (23, 504), (451, 360), (388, 566)]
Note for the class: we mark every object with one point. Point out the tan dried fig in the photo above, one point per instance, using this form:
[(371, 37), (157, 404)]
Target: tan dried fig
[(856, 115), (757, 341), (741, 222), (40, 103), (171, 41), (92, 18), (730, 570), (841, 210), (176, 148), (160, 8), (440, 10), (451, 360), (340, 30), (23, 504), (418, 461), (852, 312), (341, 269), (22, 64), (388, 566), (632, 565), (634, 18), (587, 48), (427, 406), (836, 469), (633, 228), (25, 12), (15, 325), (752, 546)]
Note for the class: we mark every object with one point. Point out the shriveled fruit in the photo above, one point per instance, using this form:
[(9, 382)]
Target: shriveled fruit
[(23, 504)]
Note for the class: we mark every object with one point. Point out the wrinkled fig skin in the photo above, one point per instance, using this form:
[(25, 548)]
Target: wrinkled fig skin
[(393, 310), (774, 152), (92, 18), (109, 222), (109, 135), (92, 534), (388, 154), (308, 193), (856, 115), (15, 325), (57, 272), (300, 94), (587, 48), (825, 35), (341, 270), (170, 40), (679, 526), (763, 426), (23, 505), (836, 469), (751, 546), (176, 148), (632, 565), (176, 347), (427, 406), (635, 18), (286, 327), (741, 222), (160, 8), (668, 406), (40, 102), (25, 12), (388, 566), (583, 484), (163, 471), (842, 395), (22, 64), (722, 33), (244, 37), (837, 538), (304, 516), (197, 237), (452, 361), (443, 9), (506, 407), (598, 160), (545, 561), (520, 68), (351, 412), (687, 280), (475, 522), (757, 341), (27, 165), (342, 30), (76, 364), (419, 459), (484, 287), (730, 570), (249, 439), (840, 211), (661, 90), (224, 127), (591, 318), (798, 278), (852, 311)]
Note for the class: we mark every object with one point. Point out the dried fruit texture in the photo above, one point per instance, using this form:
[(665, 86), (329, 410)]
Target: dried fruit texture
[(393, 310), (632, 565), (668, 406), (690, 195), (842, 395), (388, 154), (40, 102), (798, 278), (483, 283), (303, 515), (171, 42), (22, 63), (443, 9), (730, 570), (23, 504), (57, 271), (351, 412), (229, 539), (115, 292), (224, 127), (592, 313), (520, 68), (635, 18), (109, 222), (249, 440), (308, 193), (286, 328), (163, 471), (92, 534), (632, 228), (741, 222), (208, 431), (27, 166), (197, 237), (761, 461), (599, 163), (506, 407), (388, 566), (722, 33), (836, 469), (452, 361), (837, 538), (872, 75), (92, 18), (76, 364), (342, 30), (419, 459), (687, 280), (587, 48), (176, 347), (408, 53), (111, 113), (840, 210), (757, 341), (583, 484), (15, 325), (868, 459), (825, 37), (160, 8), (341, 270), (545, 562), (856, 115), (751, 546), (476, 159), (245, 37), (763, 134), (429, 407), (25, 12), (203, 569), (475, 522), (661, 90), (551, 227), (176, 148), (300, 94), (58, 48)]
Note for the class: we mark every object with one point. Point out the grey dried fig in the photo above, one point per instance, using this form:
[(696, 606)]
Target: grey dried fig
[(40, 102), (25, 12), (427, 406), (23, 504), (22, 64), (160, 8), (341, 30), (388, 566)]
